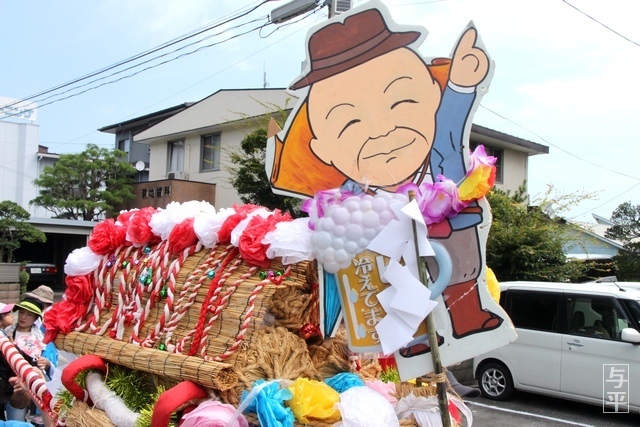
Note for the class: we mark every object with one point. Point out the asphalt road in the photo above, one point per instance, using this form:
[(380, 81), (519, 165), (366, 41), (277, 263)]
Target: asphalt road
[(530, 410)]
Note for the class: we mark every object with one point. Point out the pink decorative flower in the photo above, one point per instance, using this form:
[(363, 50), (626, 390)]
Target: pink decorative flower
[(321, 201), (479, 158), (436, 201)]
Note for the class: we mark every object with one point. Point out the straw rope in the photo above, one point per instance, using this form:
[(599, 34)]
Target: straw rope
[(274, 353), (211, 262), (290, 306), (168, 308), (215, 375), (330, 358), (212, 295), (222, 303), (82, 415)]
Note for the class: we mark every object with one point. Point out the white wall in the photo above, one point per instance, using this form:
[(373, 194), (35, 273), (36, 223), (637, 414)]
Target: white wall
[(231, 137), (514, 170), (19, 164)]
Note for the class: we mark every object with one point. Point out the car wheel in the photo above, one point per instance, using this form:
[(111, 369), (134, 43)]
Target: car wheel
[(495, 381)]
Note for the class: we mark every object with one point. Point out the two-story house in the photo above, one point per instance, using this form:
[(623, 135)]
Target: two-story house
[(189, 151)]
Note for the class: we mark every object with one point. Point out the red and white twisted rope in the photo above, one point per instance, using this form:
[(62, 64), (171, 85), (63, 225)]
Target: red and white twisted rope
[(182, 307), (31, 376), (210, 299), (156, 258), (243, 327), (168, 308), (221, 304)]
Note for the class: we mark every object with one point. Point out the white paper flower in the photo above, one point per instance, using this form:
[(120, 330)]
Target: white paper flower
[(290, 240), (81, 261)]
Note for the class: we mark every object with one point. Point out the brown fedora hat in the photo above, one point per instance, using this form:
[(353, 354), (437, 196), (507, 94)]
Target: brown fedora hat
[(344, 45)]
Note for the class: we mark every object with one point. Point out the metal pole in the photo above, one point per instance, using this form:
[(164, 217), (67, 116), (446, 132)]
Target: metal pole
[(431, 330), (329, 4)]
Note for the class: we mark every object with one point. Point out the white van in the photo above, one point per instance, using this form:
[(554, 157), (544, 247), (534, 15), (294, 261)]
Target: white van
[(575, 341)]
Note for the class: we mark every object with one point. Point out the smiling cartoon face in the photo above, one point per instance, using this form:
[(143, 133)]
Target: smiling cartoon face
[(376, 122)]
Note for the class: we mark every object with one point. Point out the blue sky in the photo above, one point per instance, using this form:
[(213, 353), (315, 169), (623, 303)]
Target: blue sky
[(561, 79)]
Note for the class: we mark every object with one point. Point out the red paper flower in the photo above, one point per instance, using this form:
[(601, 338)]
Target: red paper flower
[(139, 231), (250, 245), (125, 217), (182, 236), (106, 237), (62, 317), (224, 235), (79, 289)]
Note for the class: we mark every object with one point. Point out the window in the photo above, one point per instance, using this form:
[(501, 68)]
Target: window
[(210, 150), (498, 153), (533, 310), (124, 145), (595, 317), (176, 156)]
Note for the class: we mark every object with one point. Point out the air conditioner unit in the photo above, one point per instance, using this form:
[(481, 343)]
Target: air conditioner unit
[(341, 6), (291, 10), (175, 175)]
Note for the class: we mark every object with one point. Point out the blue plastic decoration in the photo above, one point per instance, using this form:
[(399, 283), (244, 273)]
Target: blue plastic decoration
[(330, 304), (344, 381), (268, 404)]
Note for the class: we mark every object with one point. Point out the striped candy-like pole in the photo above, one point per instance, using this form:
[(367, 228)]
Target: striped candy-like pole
[(31, 376)]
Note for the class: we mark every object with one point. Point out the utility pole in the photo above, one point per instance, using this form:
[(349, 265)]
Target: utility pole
[(330, 11)]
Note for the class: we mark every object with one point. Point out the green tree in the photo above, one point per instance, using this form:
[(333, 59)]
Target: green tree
[(626, 228), (627, 263), (15, 229), (526, 244), (248, 174), (87, 185), (626, 220)]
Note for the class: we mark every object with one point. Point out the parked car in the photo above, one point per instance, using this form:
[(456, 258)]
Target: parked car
[(41, 274), (569, 336)]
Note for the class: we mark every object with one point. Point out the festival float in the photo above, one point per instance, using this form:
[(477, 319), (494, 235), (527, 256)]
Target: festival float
[(236, 316)]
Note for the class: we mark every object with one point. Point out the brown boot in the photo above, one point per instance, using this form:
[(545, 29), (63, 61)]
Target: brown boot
[(466, 312)]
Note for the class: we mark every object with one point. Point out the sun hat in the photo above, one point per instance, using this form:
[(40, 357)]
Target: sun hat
[(6, 308), (42, 293), (30, 307), (343, 45)]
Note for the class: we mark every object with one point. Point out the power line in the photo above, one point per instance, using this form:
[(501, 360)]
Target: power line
[(139, 71), (595, 20), (577, 157), (147, 61), (187, 36), (608, 201), (560, 148)]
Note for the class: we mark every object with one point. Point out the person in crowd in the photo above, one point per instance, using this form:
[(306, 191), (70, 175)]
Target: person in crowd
[(44, 295), (6, 315), (29, 339), (12, 390)]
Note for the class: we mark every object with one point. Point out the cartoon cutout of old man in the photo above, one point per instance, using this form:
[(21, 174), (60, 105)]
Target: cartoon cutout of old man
[(375, 115)]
